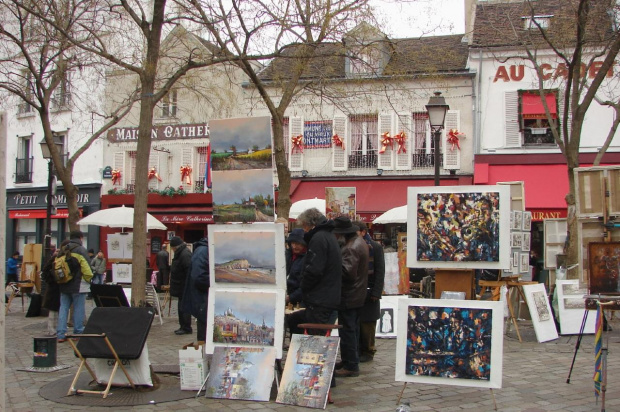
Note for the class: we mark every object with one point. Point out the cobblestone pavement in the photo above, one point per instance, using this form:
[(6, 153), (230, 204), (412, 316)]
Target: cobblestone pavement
[(534, 376)]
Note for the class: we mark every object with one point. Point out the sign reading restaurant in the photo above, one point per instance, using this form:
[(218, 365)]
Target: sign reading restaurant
[(163, 132)]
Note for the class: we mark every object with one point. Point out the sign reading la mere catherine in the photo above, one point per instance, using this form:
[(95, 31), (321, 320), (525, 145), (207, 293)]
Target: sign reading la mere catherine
[(164, 132)]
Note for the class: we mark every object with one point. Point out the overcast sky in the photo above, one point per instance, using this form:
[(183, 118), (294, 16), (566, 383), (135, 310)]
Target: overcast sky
[(243, 133), (257, 247), (412, 18), (253, 306)]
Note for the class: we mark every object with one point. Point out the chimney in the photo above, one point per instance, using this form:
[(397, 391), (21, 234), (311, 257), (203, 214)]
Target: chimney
[(470, 17)]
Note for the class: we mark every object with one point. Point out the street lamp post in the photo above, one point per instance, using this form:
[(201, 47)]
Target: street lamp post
[(437, 109), (51, 189)]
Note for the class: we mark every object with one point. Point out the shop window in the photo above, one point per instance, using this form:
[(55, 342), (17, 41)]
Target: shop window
[(23, 162), (535, 125), (363, 141), (131, 179)]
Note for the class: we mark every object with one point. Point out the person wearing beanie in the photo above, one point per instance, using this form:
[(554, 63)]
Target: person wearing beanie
[(179, 271)]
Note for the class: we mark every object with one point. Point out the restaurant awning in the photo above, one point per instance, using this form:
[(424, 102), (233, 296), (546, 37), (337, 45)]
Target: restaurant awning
[(532, 106), (38, 214)]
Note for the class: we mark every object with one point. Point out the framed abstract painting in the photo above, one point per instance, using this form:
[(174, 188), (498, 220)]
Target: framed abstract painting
[(450, 342), (464, 227)]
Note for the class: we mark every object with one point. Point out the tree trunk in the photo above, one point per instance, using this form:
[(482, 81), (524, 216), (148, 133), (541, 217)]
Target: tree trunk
[(572, 223), (284, 175)]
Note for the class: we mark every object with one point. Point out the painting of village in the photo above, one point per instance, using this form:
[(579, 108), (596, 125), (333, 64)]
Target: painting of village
[(340, 201), (308, 371), (245, 257), (242, 177), (243, 317), (241, 373), (468, 228), (243, 196), (240, 144)]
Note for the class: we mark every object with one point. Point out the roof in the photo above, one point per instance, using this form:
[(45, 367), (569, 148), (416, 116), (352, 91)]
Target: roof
[(503, 24), (425, 55)]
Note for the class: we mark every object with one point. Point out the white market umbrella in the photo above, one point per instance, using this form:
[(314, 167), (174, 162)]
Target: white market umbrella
[(119, 217), (395, 215), (302, 205)]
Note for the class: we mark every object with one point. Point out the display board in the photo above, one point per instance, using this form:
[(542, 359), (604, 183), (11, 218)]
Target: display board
[(308, 371), (249, 255), (120, 246), (340, 201), (517, 194), (241, 373), (241, 317), (555, 237), (392, 274), (571, 308), (590, 232), (434, 346), (243, 178), (540, 312), (387, 325), (121, 272), (461, 227)]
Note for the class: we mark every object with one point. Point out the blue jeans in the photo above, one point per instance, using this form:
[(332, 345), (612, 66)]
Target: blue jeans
[(349, 338), (97, 279), (79, 313)]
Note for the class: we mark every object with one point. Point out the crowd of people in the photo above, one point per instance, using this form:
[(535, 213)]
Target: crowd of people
[(335, 272)]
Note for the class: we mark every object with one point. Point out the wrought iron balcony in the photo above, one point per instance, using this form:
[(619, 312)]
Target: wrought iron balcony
[(61, 101), (23, 170)]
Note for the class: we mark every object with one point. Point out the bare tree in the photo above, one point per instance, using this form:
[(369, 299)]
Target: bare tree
[(583, 36), (248, 32), (38, 67)]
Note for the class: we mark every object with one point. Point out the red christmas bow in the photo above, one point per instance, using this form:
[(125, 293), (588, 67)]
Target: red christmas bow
[(116, 177), (298, 143), (386, 140), (453, 138), (401, 139), (338, 142), (186, 173), (153, 173)]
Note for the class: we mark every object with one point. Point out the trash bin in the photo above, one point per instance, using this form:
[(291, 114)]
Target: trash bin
[(44, 352)]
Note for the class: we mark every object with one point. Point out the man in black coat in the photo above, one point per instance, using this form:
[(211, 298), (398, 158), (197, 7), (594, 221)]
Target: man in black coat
[(179, 271), (197, 288), (295, 266), (321, 274), (371, 310), (162, 261)]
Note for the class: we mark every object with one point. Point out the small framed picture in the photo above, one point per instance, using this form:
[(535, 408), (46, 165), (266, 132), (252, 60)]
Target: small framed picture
[(515, 261), (524, 266), (527, 221), (517, 220), (527, 239), (517, 240)]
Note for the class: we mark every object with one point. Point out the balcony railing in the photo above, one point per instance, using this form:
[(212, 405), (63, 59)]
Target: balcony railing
[(422, 160), (23, 170), (363, 161)]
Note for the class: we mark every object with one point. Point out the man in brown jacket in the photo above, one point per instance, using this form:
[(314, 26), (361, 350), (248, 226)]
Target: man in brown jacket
[(353, 294)]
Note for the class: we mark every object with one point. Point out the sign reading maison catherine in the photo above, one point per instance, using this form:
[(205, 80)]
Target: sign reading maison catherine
[(164, 132)]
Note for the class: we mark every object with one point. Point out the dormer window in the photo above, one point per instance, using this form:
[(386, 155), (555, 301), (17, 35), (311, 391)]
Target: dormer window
[(533, 22), (366, 62)]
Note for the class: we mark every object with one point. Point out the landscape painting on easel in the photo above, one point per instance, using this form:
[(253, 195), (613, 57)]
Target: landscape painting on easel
[(540, 312), (242, 317), (459, 227), (308, 371), (243, 196), (604, 273), (245, 257), (241, 373), (437, 346)]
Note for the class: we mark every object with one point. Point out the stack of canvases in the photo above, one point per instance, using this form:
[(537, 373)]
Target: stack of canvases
[(245, 321)]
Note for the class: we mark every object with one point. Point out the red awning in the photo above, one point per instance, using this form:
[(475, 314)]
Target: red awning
[(545, 185), (373, 197), (532, 106), (38, 214)]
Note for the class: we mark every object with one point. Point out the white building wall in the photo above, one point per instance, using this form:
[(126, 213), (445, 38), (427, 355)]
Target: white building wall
[(492, 103)]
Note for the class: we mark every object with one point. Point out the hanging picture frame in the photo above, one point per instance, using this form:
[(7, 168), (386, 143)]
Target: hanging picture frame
[(540, 312)]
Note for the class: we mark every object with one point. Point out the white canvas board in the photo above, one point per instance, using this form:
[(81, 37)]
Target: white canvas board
[(387, 325), (120, 245), (555, 236), (478, 240), (571, 319), (392, 274), (246, 317), (247, 255), (423, 359), (121, 273), (540, 312)]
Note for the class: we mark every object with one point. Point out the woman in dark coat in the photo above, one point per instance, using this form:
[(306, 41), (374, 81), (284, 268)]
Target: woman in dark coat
[(179, 270), (296, 266)]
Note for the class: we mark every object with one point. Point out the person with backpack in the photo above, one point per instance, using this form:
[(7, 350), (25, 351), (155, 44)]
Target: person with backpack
[(75, 285), (51, 297)]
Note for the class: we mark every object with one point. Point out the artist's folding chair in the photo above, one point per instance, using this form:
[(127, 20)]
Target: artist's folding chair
[(153, 300), (111, 333)]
